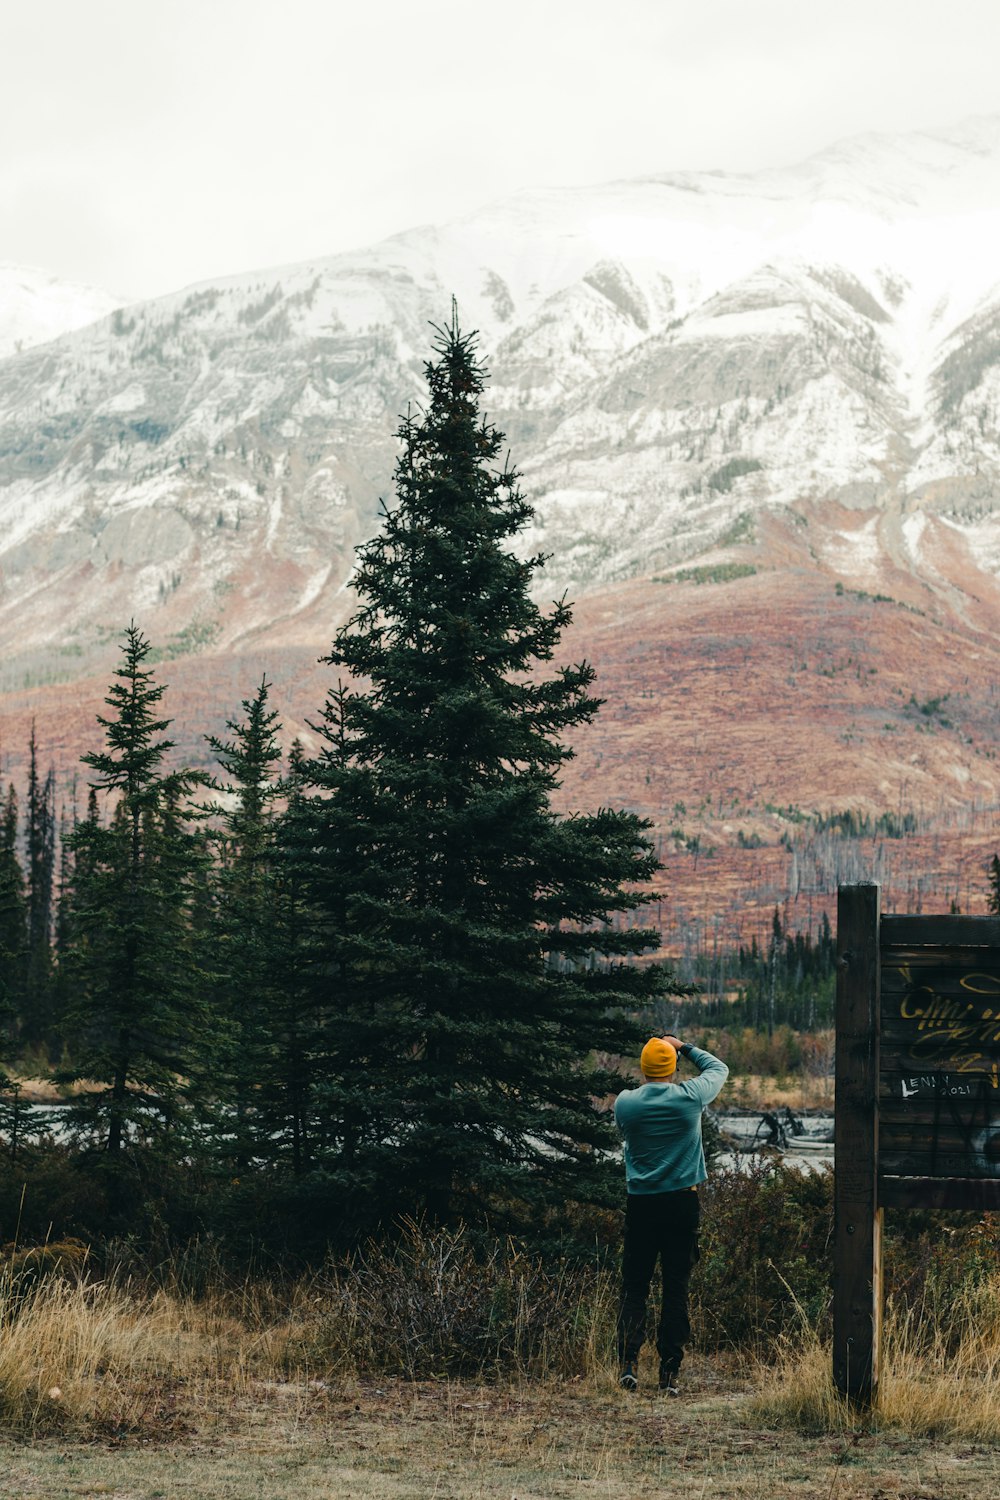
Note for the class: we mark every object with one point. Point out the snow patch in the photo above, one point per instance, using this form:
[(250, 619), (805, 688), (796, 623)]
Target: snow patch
[(856, 552), (130, 399), (315, 587), (913, 530), (756, 323)]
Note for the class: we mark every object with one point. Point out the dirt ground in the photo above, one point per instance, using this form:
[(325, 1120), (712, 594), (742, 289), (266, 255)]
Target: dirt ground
[(407, 1441)]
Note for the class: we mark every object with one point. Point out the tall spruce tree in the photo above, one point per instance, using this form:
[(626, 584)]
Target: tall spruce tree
[(138, 1016), (471, 971)]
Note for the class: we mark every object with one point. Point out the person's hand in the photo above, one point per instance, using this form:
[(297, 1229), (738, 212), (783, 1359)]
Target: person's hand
[(674, 1041)]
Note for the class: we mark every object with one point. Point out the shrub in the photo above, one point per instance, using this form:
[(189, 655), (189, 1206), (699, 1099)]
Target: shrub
[(765, 1253), (431, 1305), (723, 572), (721, 481)]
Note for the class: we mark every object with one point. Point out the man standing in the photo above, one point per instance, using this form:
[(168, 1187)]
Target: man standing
[(664, 1164)]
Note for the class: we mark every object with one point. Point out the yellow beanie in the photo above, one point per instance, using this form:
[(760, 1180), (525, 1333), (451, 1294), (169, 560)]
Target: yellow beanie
[(659, 1058)]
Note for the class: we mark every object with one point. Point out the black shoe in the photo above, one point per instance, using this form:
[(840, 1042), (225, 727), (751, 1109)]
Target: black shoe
[(629, 1379), (668, 1381)]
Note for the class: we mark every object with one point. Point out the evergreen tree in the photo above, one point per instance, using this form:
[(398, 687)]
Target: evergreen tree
[(13, 924), (277, 1065), (246, 930), (38, 1015), (293, 1087), (470, 971), (993, 887), (64, 890), (64, 933), (138, 1016)]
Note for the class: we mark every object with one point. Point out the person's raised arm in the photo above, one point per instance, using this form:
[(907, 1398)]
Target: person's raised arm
[(712, 1071)]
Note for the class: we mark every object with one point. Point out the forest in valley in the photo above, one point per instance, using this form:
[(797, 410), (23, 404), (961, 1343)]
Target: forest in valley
[(301, 998), (304, 997)]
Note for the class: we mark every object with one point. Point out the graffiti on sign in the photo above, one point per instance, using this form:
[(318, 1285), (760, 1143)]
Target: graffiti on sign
[(950, 1085), (960, 1031), (939, 1110)]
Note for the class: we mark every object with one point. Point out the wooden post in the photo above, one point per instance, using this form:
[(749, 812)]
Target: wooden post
[(857, 1270)]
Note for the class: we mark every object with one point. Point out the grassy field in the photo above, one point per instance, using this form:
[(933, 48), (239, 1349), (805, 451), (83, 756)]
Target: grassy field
[(431, 1367), (448, 1441), (144, 1393)]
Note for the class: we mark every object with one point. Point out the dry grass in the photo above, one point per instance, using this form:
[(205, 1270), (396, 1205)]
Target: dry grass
[(940, 1374), (96, 1356), (772, 1091), (434, 1440), (131, 1394), (134, 1392)]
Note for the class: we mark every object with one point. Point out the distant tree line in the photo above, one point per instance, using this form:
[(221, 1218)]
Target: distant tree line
[(789, 979)]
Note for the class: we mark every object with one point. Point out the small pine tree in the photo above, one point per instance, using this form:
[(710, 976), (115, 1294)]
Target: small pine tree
[(13, 919), (63, 923), (471, 972), (138, 1016), (38, 1017), (993, 892), (293, 1090), (248, 903), (283, 1072)]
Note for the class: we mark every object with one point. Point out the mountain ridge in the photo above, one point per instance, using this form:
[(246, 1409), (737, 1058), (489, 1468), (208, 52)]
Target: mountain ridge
[(37, 306), (763, 453), (672, 359)]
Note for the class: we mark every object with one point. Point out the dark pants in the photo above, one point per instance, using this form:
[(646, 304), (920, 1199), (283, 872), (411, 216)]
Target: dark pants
[(664, 1225)]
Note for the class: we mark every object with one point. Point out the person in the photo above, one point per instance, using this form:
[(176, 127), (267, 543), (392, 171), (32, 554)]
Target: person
[(660, 1124)]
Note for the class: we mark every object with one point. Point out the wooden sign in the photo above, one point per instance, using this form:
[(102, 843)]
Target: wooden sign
[(857, 1265), (939, 1078), (917, 1113)]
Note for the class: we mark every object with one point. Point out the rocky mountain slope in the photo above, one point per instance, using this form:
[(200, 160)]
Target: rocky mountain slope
[(757, 416), (670, 357)]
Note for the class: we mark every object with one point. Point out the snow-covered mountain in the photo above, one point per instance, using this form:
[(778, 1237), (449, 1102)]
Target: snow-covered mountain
[(36, 307), (671, 357)]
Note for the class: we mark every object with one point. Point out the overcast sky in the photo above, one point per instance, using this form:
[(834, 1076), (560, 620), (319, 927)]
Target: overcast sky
[(146, 144)]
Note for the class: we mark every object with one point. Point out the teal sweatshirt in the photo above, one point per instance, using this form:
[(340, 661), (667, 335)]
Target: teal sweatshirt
[(661, 1127)]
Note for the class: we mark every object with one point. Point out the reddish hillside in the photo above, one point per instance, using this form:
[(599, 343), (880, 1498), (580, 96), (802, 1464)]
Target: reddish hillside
[(738, 716), (742, 717)]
